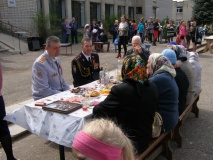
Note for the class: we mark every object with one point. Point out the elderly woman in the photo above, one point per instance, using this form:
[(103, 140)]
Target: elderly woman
[(162, 74), (132, 104), (185, 65), (180, 78)]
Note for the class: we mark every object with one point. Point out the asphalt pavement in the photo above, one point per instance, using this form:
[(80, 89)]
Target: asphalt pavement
[(196, 132)]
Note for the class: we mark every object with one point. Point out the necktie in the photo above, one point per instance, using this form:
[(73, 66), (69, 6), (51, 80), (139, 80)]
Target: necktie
[(59, 75), (89, 60)]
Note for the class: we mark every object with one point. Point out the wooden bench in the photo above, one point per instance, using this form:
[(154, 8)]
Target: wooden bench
[(157, 146), (161, 145), (63, 45), (99, 44), (192, 107)]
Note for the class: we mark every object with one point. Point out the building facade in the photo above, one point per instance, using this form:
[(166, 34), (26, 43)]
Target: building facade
[(182, 10), (20, 12)]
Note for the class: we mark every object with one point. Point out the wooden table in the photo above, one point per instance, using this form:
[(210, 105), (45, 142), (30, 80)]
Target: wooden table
[(209, 40)]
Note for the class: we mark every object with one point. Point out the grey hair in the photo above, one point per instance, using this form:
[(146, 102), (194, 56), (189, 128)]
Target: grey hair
[(85, 39), (136, 38), (52, 39)]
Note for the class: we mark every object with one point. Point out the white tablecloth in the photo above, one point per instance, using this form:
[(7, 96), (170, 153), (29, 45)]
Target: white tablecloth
[(56, 127)]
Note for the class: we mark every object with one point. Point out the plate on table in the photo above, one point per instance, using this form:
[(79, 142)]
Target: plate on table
[(75, 99)]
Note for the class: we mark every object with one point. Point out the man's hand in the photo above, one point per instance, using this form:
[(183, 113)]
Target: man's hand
[(137, 49)]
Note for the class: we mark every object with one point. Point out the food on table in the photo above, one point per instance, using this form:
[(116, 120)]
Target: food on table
[(40, 104), (94, 93), (104, 91), (76, 90), (75, 99)]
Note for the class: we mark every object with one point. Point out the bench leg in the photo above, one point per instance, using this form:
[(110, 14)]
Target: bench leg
[(168, 153), (177, 136), (195, 109), (108, 47)]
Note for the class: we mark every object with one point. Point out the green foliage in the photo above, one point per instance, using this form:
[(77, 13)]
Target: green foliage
[(41, 24), (54, 22), (202, 11), (163, 21), (109, 22), (44, 24)]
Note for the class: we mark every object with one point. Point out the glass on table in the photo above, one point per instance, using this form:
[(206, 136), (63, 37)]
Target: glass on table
[(86, 101)]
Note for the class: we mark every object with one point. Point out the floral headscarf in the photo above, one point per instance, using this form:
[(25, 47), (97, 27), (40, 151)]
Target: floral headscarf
[(180, 52), (134, 68), (160, 63)]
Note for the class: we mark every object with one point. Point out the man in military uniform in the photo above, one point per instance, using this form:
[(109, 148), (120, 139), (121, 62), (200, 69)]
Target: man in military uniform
[(138, 49), (47, 76), (85, 66)]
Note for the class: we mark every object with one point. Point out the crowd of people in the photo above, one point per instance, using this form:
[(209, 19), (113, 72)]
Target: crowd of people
[(163, 82), (151, 31)]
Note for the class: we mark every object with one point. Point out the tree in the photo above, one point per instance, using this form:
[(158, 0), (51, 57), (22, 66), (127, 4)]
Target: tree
[(202, 11)]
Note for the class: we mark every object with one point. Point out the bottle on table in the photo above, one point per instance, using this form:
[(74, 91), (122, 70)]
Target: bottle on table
[(106, 74), (119, 67)]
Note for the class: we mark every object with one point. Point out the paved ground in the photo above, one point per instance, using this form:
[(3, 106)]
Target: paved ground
[(197, 132)]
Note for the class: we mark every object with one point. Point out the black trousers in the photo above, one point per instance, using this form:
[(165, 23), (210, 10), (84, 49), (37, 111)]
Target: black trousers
[(4, 130), (123, 40)]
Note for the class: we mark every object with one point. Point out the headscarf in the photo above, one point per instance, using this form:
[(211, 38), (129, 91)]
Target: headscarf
[(134, 67), (160, 63), (180, 52)]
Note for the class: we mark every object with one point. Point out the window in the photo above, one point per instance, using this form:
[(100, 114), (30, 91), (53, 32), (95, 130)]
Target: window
[(78, 12), (178, 22), (179, 9), (138, 10), (109, 10), (95, 11), (131, 13), (121, 10)]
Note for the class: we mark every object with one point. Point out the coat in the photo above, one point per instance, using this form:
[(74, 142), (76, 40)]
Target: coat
[(168, 99), (47, 78), (132, 107)]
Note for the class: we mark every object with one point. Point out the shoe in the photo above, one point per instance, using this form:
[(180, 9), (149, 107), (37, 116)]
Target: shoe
[(124, 55), (118, 56)]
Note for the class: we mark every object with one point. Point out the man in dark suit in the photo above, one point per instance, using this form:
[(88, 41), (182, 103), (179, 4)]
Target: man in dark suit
[(85, 66)]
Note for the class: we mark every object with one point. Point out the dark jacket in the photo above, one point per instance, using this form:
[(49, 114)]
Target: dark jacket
[(155, 26), (132, 107), (73, 25), (168, 99), (183, 85), (82, 71), (144, 54), (63, 28), (114, 31)]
